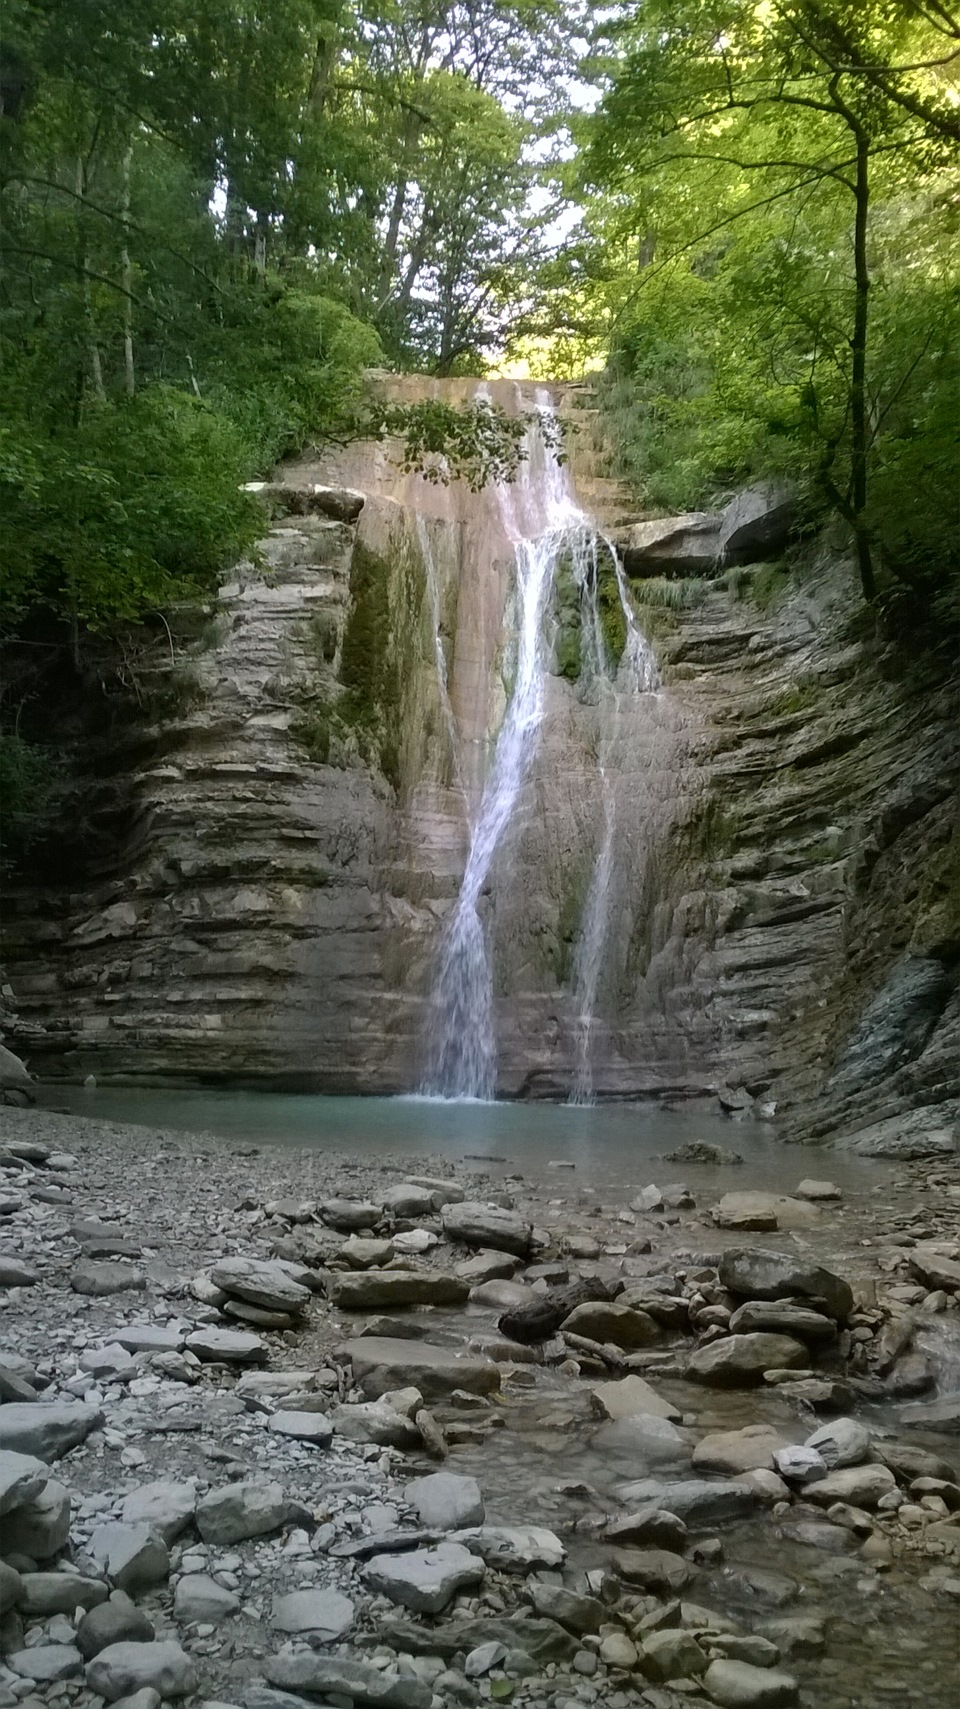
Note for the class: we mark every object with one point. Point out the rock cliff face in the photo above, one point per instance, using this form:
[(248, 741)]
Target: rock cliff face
[(781, 911)]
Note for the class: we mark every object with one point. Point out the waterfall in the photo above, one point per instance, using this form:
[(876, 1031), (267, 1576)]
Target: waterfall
[(636, 673), (543, 523), (537, 513)]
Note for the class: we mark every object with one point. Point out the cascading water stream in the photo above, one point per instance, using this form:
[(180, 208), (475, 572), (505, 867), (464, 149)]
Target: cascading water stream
[(537, 513), (636, 673), (544, 523)]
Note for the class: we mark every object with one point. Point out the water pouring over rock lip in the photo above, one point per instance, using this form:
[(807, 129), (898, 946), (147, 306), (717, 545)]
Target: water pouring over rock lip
[(541, 519)]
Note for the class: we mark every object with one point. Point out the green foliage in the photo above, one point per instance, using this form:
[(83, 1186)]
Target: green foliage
[(771, 202), (676, 594)]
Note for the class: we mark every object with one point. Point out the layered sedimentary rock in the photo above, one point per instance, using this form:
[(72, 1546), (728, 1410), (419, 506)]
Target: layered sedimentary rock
[(779, 817)]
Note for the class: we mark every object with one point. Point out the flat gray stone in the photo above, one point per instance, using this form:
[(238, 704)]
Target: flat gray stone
[(310, 1675), (628, 1395), (110, 1363), (253, 1508), (783, 1317), (424, 1580), (133, 1557), (620, 1325), (312, 1427), (671, 1654), (22, 1477), (699, 1502), (165, 1506), (10, 1581), (475, 1224), (46, 1428), (227, 1346), (374, 1290), (738, 1685), (375, 1421), (148, 1338), (444, 1501), (324, 1613), (732, 1451), (381, 1363), (737, 1361), (643, 1441), (199, 1597), (99, 1280), (648, 1526), (261, 1283), (46, 1663), (122, 1669), (59, 1593)]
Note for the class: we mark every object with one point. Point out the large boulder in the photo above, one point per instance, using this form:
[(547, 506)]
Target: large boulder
[(41, 1527), (620, 1325), (122, 1669), (253, 1508), (757, 522), (443, 1501), (755, 1273), (14, 1078), (698, 1502), (424, 1580), (684, 545), (261, 1283)]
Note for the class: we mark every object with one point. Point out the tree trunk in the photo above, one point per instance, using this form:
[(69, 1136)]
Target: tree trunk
[(129, 375), (858, 384)]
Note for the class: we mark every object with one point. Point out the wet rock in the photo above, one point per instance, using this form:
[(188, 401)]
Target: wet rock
[(313, 1427), (445, 1502), (756, 1273), (514, 1548), (657, 1570), (324, 1613), (650, 1525), (732, 1451), (166, 1507), (198, 1597), (842, 1442), (783, 1317), (22, 1477), (581, 1614), (798, 1635), (485, 1225), (621, 1325), (908, 1462), (487, 1267), (799, 1465), (261, 1283), (737, 1685), (645, 1439), (311, 1675), (46, 1429), (699, 1502), (860, 1486), (253, 1508), (819, 1192), (697, 1151), (118, 1621), (371, 1290), (14, 1274), (43, 1594), (227, 1346), (381, 1363), (425, 1580), (133, 1557), (47, 1663), (40, 1528), (671, 1654), (746, 1210), (124, 1668), (739, 1360), (630, 1395)]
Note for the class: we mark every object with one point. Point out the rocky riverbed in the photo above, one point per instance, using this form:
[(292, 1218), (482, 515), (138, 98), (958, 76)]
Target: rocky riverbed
[(263, 1441)]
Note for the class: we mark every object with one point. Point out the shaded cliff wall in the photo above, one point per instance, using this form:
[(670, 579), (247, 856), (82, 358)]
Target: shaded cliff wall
[(782, 852)]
